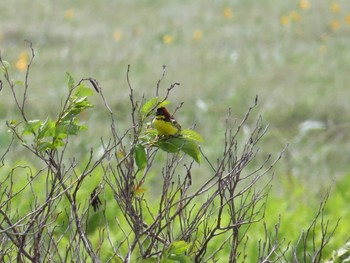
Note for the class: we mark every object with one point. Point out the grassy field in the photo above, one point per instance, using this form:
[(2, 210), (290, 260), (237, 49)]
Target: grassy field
[(292, 54)]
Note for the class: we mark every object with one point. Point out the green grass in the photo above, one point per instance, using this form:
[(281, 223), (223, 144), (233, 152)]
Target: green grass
[(299, 71)]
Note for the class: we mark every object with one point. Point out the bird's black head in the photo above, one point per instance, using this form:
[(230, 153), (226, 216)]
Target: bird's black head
[(160, 111)]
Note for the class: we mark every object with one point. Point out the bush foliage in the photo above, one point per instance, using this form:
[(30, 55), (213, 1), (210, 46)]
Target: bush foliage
[(138, 196)]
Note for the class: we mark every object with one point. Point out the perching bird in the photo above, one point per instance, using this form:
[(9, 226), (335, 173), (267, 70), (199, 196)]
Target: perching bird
[(165, 123)]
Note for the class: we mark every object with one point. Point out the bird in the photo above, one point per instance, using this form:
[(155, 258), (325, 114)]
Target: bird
[(165, 123)]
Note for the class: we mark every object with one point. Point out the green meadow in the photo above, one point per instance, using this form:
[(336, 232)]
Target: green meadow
[(292, 55)]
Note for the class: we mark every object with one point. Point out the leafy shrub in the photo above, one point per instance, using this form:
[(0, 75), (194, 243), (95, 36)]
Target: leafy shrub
[(136, 200)]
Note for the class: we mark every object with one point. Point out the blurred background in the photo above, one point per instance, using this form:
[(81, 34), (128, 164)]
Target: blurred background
[(293, 54)]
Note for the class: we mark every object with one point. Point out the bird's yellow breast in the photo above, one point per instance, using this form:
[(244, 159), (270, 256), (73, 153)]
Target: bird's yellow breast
[(164, 127)]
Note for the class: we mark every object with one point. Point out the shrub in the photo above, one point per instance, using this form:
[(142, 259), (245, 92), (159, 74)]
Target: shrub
[(139, 199)]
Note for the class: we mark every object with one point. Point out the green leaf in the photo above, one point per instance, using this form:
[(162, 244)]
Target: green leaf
[(170, 145), (19, 83), (179, 258), (72, 129), (192, 149), (149, 260), (47, 129), (66, 128), (140, 157), (58, 143), (83, 127), (176, 253), (149, 105), (31, 127), (194, 248), (151, 132), (61, 130), (76, 109), (70, 81), (71, 114), (175, 144), (5, 66), (152, 104), (83, 91), (82, 103), (192, 135), (42, 146), (117, 259), (178, 247), (164, 103)]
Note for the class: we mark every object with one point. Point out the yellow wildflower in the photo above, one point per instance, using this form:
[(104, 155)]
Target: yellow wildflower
[(335, 7), (347, 19), (22, 61), (227, 12), (294, 16), (168, 39), (117, 35), (335, 25), (304, 4), (284, 20), (69, 14), (197, 35)]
